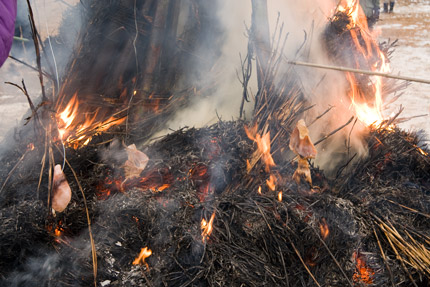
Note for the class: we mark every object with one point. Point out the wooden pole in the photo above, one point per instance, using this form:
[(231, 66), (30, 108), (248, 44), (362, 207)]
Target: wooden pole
[(261, 37), (155, 43), (358, 71)]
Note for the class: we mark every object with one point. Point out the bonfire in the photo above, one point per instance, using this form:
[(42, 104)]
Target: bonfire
[(88, 198)]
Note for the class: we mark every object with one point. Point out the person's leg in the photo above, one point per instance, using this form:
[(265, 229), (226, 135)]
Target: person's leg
[(391, 6), (385, 6)]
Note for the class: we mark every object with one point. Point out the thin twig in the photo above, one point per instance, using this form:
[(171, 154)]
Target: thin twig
[(24, 91), (386, 229), (31, 67), (410, 209), (384, 257), (333, 257), (303, 263), (43, 164), (349, 136), (93, 247), (37, 48), (12, 170), (320, 116), (333, 132)]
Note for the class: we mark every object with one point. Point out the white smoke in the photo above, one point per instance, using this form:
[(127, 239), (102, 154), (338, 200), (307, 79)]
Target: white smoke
[(301, 20)]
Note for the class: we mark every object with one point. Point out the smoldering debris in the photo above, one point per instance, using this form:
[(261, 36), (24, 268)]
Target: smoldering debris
[(334, 236)]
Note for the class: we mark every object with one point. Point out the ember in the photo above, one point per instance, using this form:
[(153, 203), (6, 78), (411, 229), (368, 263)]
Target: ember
[(363, 274), (324, 230)]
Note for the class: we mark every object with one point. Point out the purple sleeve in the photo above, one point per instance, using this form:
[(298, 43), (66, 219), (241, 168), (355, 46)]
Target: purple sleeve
[(7, 27)]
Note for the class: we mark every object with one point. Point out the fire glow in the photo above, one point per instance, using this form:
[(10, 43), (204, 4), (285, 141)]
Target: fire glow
[(207, 227), (363, 273), (324, 230), (77, 129), (367, 108), (144, 253), (263, 147), (271, 182)]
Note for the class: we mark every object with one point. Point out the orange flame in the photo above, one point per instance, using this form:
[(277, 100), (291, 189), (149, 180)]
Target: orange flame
[(367, 108), (57, 232), (263, 146), (78, 129), (280, 196), (422, 152), (363, 274), (30, 146), (207, 227), (324, 230), (271, 182), (144, 253), (160, 188)]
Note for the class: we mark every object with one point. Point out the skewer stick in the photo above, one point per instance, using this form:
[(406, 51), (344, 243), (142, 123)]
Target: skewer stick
[(358, 71)]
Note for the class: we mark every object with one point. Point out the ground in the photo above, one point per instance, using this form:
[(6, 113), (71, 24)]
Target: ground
[(410, 24)]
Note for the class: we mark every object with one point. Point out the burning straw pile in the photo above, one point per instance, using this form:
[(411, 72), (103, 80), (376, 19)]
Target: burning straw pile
[(223, 205)]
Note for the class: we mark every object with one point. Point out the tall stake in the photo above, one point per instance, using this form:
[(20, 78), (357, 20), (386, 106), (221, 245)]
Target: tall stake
[(260, 35), (155, 43)]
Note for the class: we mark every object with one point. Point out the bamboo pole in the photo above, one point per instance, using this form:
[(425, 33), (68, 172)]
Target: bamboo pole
[(358, 71)]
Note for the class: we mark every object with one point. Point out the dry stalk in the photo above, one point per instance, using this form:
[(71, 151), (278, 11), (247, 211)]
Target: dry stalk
[(384, 257), (304, 264), (37, 48), (31, 67), (408, 250), (12, 170), (333, 132), (333, 257), (410, 209), (43, 164), (93, 246), (400, 258)]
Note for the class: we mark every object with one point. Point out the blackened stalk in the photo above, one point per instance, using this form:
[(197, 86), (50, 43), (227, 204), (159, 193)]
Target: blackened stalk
[(25, 92), (37, 48)]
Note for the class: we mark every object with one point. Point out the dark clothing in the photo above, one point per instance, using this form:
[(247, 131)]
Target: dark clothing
[(371, 10), (7, 27)]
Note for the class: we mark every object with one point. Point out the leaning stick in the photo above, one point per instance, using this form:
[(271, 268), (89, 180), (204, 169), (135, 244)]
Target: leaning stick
[(358, 71)]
